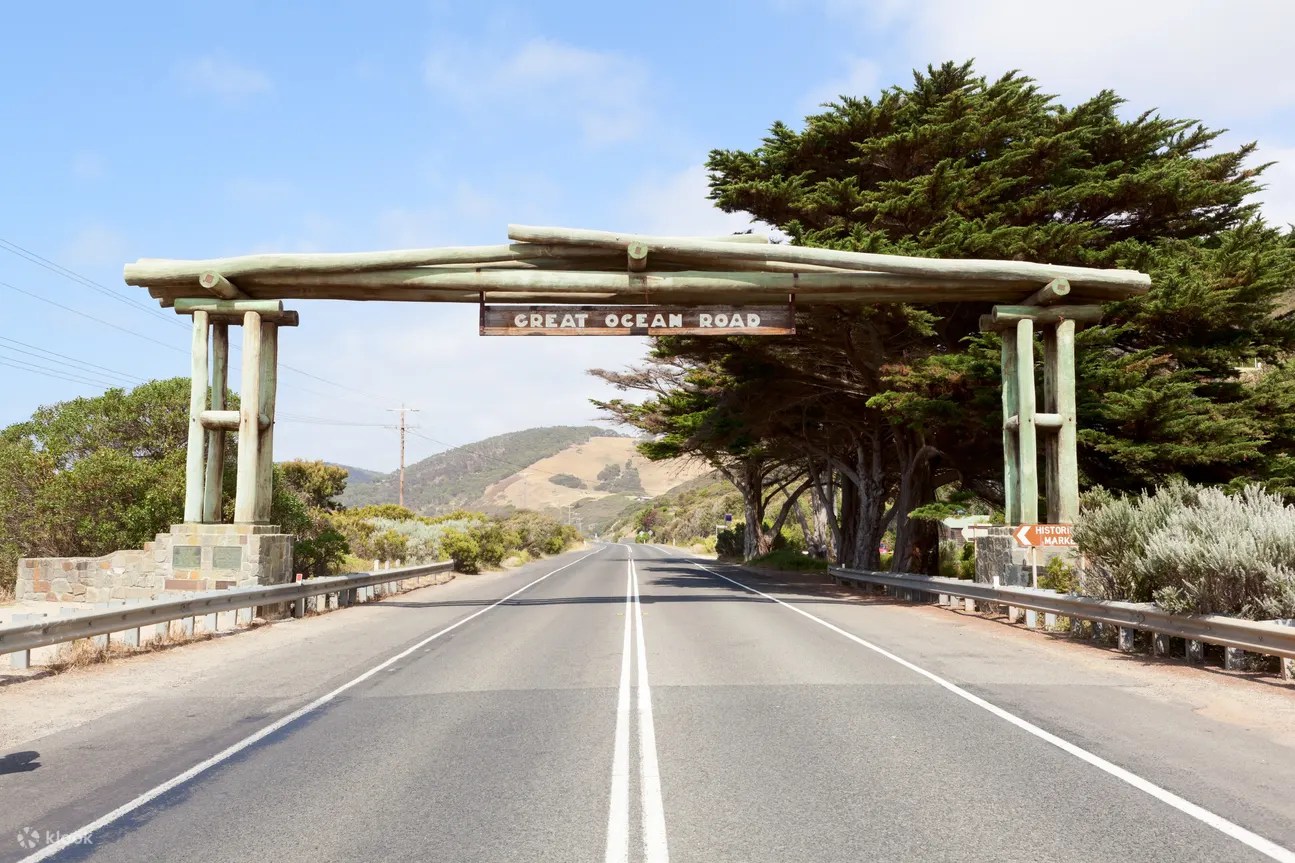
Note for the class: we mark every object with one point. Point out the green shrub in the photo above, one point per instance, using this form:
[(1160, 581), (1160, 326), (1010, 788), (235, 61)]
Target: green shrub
[(790, 560), (730, 543), (462, 548), (567, 480), (1059, 576)]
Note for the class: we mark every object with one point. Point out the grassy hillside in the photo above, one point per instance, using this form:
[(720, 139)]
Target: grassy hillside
[(459, 477), (685, 514), (359, 475)]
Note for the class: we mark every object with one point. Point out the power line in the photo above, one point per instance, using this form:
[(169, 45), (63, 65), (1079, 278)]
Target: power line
[(54, 373), (72, 275), (126, 330), (64, 359)]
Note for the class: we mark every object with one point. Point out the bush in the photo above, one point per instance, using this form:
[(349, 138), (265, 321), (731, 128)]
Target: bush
[(1059, 576), (730, 543), (462, 548), (567, 480), (1193, 550)]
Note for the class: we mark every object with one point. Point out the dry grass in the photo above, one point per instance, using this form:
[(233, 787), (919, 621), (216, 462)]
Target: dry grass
[(7, 594), (84, 652)]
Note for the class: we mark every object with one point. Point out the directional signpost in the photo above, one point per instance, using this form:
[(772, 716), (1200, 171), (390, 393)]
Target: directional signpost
[(1035, 535)]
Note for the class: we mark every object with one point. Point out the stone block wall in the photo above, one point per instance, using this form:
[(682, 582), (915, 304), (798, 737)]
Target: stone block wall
[(120, 575), (192, 557), (997, 554)]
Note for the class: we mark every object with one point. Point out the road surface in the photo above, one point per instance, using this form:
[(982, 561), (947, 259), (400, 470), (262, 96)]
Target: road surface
[(629, 703)]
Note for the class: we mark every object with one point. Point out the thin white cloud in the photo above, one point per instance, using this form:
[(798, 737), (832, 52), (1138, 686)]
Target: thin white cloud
[(223, 77), (600, 91), (677, 205), (94, 246), (1192, 57), (861, 77)]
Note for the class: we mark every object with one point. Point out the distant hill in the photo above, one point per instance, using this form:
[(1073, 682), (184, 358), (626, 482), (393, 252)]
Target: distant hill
[(358, 475), (584, 473), (459, 477)]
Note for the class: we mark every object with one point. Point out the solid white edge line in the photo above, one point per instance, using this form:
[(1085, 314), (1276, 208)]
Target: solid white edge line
[(618, 807), (655, 848), (79, 835), (1235, 831)]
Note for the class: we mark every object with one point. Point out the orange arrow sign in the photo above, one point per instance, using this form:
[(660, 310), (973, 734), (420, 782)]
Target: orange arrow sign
[(1031, 535)]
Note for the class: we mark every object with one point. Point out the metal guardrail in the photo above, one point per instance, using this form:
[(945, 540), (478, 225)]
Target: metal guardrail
[(23, 637), (1272, 639)]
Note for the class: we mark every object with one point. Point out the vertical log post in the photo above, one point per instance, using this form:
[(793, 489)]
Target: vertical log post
[(1011, 478), (1027, 452), (268, 373), (1052, 489), (193, 467), (249, 431), (1067, 435), (211, 498)]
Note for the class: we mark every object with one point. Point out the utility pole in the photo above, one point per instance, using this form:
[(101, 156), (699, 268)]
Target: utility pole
[(402, 410)]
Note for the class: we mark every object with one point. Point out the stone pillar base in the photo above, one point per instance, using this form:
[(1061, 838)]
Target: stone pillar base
[(220, 556)]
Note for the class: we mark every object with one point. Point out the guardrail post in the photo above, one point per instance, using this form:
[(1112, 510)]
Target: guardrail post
[(186, 625), (209, 622), (1127, 638), (21, 659), (1159, 644), (299, 607), (969, 604), (1195, 651), (161, 631), (130, 637), (1049, 621), (1031, 618), (1013, 614), (242, 615), (1233, 658)]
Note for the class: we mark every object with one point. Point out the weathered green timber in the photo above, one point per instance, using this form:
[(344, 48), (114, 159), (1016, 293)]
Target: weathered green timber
[(1028, 468), (211, 498), (1067, 436), (188, 305), (268, 383), (193, 466), (1011, 458), (249, 432)]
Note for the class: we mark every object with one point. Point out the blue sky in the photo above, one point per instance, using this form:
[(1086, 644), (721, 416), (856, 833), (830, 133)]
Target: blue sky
[(202, 129)]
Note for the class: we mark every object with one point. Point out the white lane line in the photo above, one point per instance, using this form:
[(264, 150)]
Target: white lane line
[(1264, 846), (79, 835), (655, 849), (618, 810)]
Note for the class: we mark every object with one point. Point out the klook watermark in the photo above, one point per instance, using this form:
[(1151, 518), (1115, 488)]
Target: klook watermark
[(32, 838)]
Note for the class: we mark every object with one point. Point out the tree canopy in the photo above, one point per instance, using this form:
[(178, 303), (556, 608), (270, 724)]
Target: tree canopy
[(887, 408)]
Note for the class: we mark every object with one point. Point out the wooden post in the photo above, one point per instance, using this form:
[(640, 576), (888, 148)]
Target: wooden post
[(1026, 449), (216, 437), (249, 431), (1011, 476), (269, 368), (1052, 489), (193, 467), (1067, 435)]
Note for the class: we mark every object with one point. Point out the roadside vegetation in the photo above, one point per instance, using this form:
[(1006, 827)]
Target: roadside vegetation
[(90, 476), (875, 421)]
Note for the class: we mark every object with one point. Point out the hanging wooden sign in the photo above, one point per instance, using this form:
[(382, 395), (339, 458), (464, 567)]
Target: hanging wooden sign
[(637, 320)]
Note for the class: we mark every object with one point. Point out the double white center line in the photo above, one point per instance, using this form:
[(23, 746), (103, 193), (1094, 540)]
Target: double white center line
[(653, 811)]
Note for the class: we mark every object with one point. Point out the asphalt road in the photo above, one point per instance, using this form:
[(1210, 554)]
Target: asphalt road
[(596, 707)]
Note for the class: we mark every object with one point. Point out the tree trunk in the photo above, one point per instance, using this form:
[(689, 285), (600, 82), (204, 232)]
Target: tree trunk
[(916, 541), (863, 504)]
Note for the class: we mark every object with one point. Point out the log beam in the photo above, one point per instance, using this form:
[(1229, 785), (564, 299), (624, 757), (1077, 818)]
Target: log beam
[(220, 286), (1053, 292), (1046, 314), (225, 420), (189, 305), (1068, 435), (637, 255), (268, 373)]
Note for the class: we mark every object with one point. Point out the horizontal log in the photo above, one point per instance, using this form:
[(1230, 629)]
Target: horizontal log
[(226, 420), (283, 319), (1043, 421), (163, 271), (1046, 314), (189, 305), (857, 285), (220, 286), (1053, 292), (1112, 284)]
